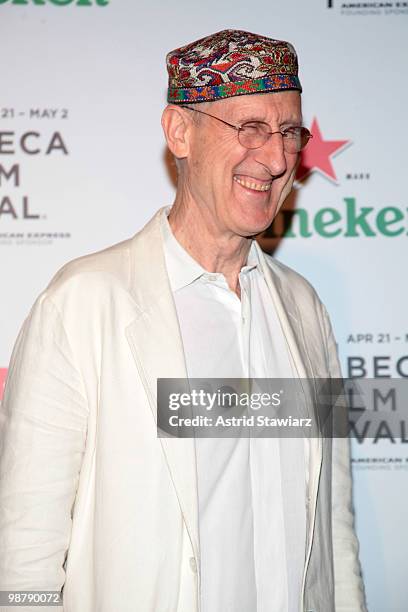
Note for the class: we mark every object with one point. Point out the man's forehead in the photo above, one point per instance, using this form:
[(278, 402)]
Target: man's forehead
[(279, 105)]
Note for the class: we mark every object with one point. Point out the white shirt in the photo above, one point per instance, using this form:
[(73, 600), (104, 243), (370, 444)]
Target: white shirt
[(251, 492)]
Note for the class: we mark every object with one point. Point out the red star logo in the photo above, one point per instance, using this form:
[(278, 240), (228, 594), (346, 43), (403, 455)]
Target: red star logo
[(318, 153)]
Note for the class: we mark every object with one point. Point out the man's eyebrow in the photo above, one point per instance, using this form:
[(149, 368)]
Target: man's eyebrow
[(295, 121), (250, 118)]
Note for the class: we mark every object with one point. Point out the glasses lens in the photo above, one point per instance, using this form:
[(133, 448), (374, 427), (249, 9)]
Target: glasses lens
[(254, 134), (295, 139)]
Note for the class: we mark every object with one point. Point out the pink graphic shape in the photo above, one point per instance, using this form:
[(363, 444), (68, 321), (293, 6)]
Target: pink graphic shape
[(318, 153), (3, 375)]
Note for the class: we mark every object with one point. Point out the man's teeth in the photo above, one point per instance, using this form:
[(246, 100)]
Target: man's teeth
[(252, 185)]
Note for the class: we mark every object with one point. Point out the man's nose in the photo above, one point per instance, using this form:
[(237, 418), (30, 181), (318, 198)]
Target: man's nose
[(272, 154)]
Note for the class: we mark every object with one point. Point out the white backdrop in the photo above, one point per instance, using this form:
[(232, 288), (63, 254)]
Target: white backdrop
[(82, 165)]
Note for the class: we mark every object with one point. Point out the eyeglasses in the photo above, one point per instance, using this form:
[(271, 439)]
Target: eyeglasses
[(254, 134)]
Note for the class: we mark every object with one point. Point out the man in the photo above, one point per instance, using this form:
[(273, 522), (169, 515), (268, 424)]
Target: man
[(92, 500)]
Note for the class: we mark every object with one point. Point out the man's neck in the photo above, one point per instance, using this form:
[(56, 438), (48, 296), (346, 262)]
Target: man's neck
[(215, 251)]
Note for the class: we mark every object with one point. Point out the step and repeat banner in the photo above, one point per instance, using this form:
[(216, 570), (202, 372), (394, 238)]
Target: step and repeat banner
[(83, 165)]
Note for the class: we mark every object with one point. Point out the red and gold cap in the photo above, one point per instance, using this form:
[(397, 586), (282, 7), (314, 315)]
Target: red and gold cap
[(230, 63)]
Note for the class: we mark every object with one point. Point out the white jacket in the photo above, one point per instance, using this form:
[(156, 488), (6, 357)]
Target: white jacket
[(90, 498)]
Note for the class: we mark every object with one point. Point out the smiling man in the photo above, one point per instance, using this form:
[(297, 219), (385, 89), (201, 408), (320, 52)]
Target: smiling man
[(92, 501), (236, 166)]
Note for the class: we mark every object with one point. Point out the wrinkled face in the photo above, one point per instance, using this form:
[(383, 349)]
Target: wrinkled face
[(242, 189)]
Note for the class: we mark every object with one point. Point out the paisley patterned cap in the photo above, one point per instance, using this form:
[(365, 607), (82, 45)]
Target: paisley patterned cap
[(230, 63)]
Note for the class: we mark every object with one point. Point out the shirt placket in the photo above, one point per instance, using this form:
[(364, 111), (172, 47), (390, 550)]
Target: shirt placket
[(245, 323)]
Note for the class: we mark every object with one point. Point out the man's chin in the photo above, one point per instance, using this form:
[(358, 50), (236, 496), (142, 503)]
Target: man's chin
[(257, 225), (250, 230), (250, 218)]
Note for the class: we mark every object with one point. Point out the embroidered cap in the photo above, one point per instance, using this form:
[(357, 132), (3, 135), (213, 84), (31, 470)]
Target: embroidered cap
[(230, 63)]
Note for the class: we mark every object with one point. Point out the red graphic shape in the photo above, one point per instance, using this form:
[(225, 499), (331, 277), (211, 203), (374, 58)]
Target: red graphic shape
[(318, 153), (3, 374)]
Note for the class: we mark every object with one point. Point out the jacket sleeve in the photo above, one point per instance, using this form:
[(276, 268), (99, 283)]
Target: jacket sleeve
[(348, 584), (43, 420)]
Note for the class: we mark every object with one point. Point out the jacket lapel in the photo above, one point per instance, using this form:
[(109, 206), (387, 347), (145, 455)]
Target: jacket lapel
[(155, 339), (289, 319)]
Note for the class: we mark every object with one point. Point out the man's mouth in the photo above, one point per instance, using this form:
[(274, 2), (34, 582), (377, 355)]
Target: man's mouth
[(254, 184)]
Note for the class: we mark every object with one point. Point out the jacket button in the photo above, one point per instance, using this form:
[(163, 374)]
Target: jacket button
[(193, 565)]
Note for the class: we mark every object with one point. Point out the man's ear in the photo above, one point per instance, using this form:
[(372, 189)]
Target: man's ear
[(176, 127)]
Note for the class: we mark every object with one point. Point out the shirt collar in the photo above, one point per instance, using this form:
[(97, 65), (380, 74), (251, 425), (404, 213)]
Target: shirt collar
[(181, 267), (184, 269)]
